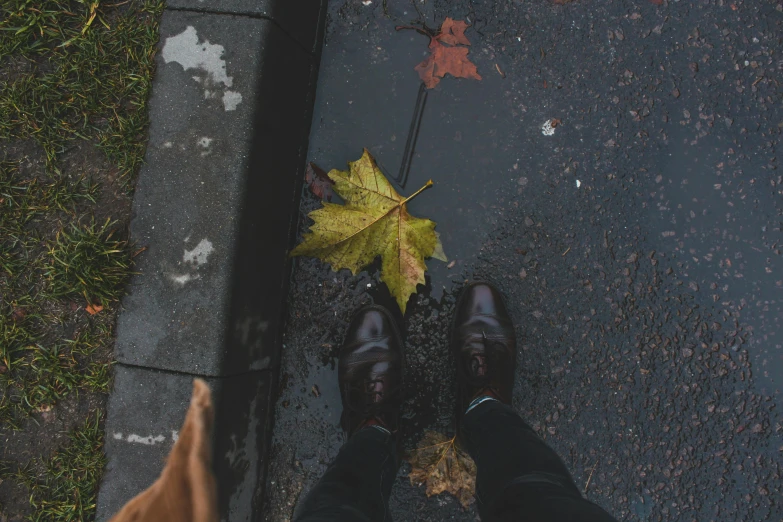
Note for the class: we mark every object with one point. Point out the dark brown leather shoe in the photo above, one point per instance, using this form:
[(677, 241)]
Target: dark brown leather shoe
[(484, 346), (370, 371)]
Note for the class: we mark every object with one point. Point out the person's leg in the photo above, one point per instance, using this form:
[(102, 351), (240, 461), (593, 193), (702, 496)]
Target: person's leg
[(519, 476), (356, 486)]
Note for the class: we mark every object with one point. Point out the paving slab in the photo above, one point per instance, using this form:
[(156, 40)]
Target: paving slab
[(145, 413), (229, 114), (300, 19)]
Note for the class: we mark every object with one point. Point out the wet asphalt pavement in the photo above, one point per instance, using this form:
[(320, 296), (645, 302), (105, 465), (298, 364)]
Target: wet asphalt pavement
[(639, 246)]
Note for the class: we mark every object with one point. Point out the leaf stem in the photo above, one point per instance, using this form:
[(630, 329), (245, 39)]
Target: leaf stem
[(442, 455), (417, 29), (422, 189), (434, 445)]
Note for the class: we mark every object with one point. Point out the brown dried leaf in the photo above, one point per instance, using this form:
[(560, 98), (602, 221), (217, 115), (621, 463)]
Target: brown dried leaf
[(18, 314), (318, 181), (93, 309), (452, 32), (442, 466), (445, 59)]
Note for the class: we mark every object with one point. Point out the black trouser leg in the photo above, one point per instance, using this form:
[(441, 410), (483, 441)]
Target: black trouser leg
[(356, 486), (520, 478)]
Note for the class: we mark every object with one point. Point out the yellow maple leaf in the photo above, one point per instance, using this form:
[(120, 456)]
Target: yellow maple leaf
[(374, 221), (440, 464)]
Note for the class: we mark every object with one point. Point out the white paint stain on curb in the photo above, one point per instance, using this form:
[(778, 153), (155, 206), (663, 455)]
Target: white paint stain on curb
[(193, 259), (184, 278), (231, 99), (150, 440), (204, 142), (186, 50), (199, 254)]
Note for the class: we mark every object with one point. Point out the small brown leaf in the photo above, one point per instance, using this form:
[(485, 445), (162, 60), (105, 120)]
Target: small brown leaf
[(439, 463), (93, 309), (445, 59), (319, 182), (452, 32), (18, 314)]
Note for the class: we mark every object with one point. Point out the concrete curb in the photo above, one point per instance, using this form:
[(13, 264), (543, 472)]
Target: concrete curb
[(216, 206)]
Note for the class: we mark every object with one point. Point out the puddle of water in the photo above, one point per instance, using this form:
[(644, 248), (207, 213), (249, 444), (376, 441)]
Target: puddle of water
[(319, 392), (466, 142)]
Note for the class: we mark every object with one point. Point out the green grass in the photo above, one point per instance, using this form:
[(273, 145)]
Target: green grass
[(84, 263), (89, 74), (74, 75), (64, 486), (86, 260)]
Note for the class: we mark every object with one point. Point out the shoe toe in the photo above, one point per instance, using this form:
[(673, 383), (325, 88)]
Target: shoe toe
[(369, 324), (370, 370), (481, 299)]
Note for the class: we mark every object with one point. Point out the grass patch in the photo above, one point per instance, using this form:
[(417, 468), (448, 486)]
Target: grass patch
[(64, 487), (38, 365), (83, 71), (87, 261), (75, 75)]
